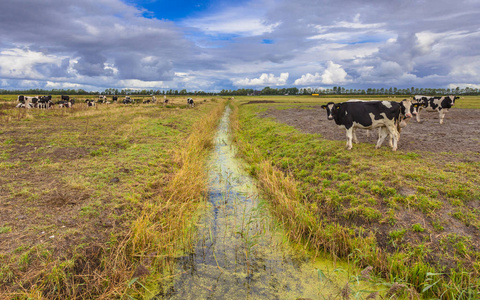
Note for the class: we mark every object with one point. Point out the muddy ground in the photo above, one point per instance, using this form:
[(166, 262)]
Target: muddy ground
[(459, 133)]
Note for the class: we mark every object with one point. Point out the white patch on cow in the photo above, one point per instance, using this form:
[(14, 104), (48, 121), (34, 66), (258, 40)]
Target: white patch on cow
[(387, 104)]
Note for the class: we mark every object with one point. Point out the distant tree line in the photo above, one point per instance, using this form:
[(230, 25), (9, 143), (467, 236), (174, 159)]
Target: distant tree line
[(336, 90)]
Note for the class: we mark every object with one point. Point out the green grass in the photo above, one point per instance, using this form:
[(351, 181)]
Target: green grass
[(334, 194), (75, 182)]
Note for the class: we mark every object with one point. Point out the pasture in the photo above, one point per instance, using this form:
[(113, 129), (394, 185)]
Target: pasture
[(96, 202), (413, 215), (91, 197)]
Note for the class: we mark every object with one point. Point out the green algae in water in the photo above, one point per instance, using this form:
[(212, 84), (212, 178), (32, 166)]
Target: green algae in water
[(240, 253)]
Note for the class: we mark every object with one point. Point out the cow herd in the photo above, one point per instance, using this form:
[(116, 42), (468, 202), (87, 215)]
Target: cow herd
[(389, 116), (65, 101)]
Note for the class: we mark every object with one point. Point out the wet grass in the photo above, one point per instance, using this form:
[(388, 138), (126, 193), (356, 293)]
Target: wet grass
[(96, 202), (413, 217)]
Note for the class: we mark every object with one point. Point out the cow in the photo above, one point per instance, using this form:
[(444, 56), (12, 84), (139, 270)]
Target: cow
[(127, 100), (90, 103), (21, 99), (165, 100), (28, 102), (154, 99), (441, 104), (64, 97), (405, 105), (102, 98), (190, 102), (147, 101), (367, 115), (114, 98), (44, 102)]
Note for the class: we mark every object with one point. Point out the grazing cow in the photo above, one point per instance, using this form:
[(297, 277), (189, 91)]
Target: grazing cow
[(115, 98), (190, 102), (440, 104), (366, 115), (102, 98)]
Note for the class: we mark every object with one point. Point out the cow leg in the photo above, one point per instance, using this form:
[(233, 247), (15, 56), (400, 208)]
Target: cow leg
[(349, 138), (382, 134), (355, 140), (441, 115), (418, 116)]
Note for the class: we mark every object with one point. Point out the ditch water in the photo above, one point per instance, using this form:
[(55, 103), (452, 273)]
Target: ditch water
[(240, 253)]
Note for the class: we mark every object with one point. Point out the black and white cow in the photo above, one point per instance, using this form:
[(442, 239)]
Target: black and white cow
[(45, 102), (190, 102), (440, 104), (367, 115), (64, 97), (406, 106), (102, 98), (90, 103), (27, 102), (127, 100), (114, 98)]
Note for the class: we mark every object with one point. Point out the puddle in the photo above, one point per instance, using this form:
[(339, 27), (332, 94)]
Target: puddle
[(240, 253)]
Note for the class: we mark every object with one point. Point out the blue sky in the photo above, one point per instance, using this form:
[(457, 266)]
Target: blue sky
[(215, 45)]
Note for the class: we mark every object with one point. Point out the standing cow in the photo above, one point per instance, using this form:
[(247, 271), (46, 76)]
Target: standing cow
[(440, 104), (366, 115)]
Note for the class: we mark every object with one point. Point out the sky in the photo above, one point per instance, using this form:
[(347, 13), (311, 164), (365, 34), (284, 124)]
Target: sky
[(234, 44)]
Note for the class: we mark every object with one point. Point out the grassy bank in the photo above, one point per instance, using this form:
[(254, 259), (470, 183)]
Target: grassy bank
[(94, 202), (413, 217)]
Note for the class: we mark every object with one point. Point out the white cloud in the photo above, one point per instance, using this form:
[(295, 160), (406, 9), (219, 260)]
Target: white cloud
[(309, 79), (334, 74), (20, 63), (263, 80)]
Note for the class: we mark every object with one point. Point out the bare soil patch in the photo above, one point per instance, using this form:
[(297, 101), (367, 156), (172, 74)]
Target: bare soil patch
[(460, 132)]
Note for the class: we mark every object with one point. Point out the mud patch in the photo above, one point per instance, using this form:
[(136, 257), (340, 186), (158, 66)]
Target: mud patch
[(460, 132)]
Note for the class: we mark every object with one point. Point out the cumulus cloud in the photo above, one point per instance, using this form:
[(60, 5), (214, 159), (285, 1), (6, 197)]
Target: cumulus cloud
[(264, 80), (334, 74)]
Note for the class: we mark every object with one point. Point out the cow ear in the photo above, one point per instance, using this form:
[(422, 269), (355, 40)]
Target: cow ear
[(323, 106)]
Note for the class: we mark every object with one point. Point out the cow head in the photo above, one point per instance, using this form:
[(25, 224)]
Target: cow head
[(329, 108), (406, 108), (449, 101)]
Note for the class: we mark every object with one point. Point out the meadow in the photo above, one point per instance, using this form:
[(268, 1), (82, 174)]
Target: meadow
[(411, 215), (96, 202)]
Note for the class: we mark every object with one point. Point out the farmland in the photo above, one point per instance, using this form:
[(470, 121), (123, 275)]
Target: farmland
[(92, 196), (97, 202), (412, 214)]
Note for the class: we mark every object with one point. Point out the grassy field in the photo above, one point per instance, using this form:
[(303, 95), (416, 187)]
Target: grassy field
[(413, 217), (96, 202)]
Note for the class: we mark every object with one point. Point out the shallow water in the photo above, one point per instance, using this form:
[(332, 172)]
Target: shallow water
[(240, 253)]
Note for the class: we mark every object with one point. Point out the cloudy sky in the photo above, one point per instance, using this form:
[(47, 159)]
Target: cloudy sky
[(213, 45)]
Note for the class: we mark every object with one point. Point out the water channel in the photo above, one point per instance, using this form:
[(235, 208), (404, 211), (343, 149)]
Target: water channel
[(240, 253)]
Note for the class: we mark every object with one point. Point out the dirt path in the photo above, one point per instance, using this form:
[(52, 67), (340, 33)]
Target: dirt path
[(460, 132)]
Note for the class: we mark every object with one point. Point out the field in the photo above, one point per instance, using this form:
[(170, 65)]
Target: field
[(95, 203), (414, 214), (93, 197)]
